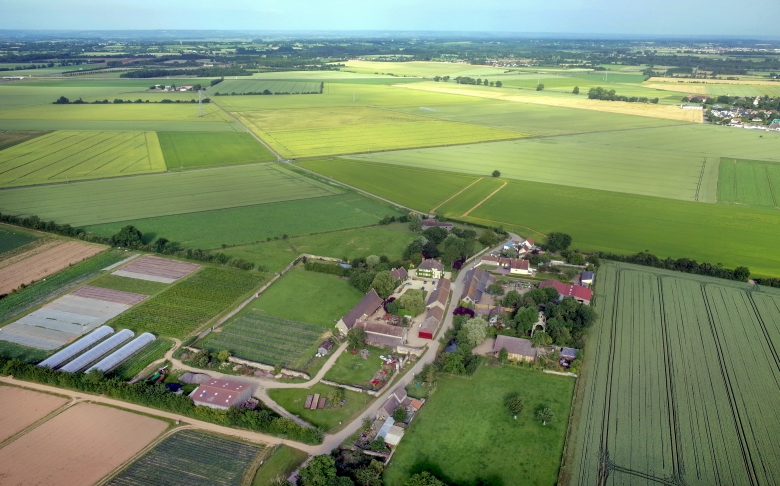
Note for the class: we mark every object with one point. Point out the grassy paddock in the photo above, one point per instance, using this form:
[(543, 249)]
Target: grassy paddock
[(281, 462), (388, 240), (330, 419), (465, 435), (125, 284), (189, 150), (351, 369), (252, 224), (314, 298)]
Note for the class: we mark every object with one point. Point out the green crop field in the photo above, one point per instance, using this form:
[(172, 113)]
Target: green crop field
[(139, 361), (125, 284), (193, 458), (418, 189), (42, 290), (310, 297), (742, 90), (282, 462), (266, 339), (250, 224), (532, 118), (669, 387), (421, 68), (22, 353), (465, 435), (274, 255), (188, 150), (471, 197), (129, 198), (315, 132), (751, 182), (257, 86), (329, 418), (117, 112), (11, 138), (11, 240), (190, 303), (66, 156)]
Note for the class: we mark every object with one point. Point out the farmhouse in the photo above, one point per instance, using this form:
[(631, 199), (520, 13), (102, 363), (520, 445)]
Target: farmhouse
[(367, 306), (379, 334), (400, 273), (430, 223), (396, 399), (432, 320), (578, 292), (221, 394), (477, 280), (520, 267), (430, 268), (518, 349)]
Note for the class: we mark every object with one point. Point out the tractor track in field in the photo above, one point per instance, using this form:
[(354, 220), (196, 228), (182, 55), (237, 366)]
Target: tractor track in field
[(455, 195), (484, 200)]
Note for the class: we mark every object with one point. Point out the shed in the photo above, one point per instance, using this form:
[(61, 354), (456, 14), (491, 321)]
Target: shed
[(518, 349), (325, 347)]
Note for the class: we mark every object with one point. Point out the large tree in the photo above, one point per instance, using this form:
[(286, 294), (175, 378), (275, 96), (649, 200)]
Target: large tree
[(412, 301), (489, 238), (127, 236), (356, 337), (320, 471), (384, 283), (474, 331), (435, 234), (424, 479), (558, 241)]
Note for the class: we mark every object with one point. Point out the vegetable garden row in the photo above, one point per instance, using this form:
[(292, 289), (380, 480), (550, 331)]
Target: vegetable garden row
[(680, 381), (186, 305), (192, 458)]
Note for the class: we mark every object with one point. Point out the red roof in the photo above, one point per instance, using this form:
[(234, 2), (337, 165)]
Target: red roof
[(568, 290), (221, 393), (519, 264)]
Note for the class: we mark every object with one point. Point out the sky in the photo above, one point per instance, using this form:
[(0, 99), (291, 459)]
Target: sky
[(746, 18)]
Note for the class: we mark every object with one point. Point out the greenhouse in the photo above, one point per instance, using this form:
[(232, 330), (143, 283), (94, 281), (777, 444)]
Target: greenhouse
[(120, 355), (74, 349), (98, 351)]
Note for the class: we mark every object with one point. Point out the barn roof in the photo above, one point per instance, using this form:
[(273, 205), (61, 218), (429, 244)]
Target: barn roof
[(569, 290), (223, 393), (367, 306), (513, 345)]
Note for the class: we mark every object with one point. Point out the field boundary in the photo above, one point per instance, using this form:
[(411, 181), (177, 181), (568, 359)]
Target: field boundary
[(455, 195), (38, 422), (483, 201)]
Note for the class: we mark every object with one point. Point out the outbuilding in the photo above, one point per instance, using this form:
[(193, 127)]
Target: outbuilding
[(221, 394)]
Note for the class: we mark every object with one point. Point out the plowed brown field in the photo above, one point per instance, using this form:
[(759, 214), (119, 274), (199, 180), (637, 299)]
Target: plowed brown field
[(77, 447), (43, 264), (21, 408)]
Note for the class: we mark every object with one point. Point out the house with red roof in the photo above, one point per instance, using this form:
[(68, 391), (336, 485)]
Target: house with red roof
[(577, 292)]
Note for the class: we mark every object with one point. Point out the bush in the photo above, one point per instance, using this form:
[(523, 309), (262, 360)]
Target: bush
[(514, 404)]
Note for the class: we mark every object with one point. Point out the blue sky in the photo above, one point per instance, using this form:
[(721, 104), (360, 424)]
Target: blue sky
[(638, 17)]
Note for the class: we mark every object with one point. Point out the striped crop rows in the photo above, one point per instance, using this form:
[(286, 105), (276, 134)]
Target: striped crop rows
[(680, 384), (192, 458), (266, 339)]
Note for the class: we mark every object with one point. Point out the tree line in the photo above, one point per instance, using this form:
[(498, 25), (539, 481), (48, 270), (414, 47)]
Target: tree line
[(129, 237), (157, 396), (600, 93), (685, 265), (65, 101), (204, 72)]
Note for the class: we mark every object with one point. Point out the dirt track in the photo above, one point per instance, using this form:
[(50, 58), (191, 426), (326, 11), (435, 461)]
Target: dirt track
[(79, 446), (41, 265)]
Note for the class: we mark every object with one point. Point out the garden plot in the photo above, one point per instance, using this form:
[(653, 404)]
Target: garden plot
[(79, 446), (22, 408), (157, 269), (68, 317), (41, 265)]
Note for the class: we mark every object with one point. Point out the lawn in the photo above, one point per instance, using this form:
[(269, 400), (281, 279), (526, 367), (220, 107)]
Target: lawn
[(351, 369), (415, 188), (131, 198), (74, 155), (330, 419), (125, 284), (465, 435), (190, 150), (756, 183), (255, 336), (281, 462), (390, 240), (186, 305), (647, 402), (252, 224), (310, 297)]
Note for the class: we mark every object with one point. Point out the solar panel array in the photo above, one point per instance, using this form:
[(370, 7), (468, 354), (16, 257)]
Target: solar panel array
[(120, 355), (67, 353), (98, 351)]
